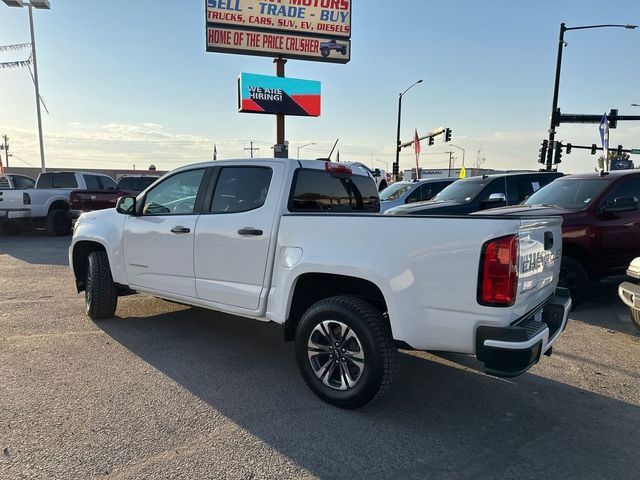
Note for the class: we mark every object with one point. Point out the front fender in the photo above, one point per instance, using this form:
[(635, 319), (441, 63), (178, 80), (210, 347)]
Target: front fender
[(105, 228)]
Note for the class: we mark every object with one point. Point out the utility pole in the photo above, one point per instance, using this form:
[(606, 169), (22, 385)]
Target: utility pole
[(251, 149), (6, 151)]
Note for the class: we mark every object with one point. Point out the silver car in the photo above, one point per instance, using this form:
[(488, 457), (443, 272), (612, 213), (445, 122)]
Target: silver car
[(401, 193)]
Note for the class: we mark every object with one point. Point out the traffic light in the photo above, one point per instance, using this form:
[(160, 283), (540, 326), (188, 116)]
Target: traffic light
[(613, 118), (543, 151), (447, 135), (568, 148), (430, 141), (557, 152), (395, 169), (619, 151), (594, 148)]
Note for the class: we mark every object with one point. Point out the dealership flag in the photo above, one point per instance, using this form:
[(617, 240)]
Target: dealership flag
[(215, 152), (604, 137), (463, 172)]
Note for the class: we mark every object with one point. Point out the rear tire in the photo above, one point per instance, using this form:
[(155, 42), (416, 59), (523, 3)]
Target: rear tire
[(574, 277), (100, 294), (635, 317), (58, 223), (345, 351)]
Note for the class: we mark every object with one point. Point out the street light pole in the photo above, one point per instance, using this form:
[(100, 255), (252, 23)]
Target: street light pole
[(459, 148), (37, 86), (556, 86), (40, 4), (397, 162), (302, 146)]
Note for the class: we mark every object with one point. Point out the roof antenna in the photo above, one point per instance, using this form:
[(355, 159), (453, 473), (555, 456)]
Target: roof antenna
[(334, 147)]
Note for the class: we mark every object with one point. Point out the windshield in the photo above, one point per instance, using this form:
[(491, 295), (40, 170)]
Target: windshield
[(461, 191), (395, 191), (571, 194)]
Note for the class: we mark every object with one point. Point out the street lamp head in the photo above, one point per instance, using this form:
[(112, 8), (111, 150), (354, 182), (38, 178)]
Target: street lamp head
[(419, 81), (631, 27), (14, 3), (41, 4)]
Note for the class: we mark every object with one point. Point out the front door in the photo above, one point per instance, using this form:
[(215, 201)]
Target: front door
[(158, 244), (234, 234)]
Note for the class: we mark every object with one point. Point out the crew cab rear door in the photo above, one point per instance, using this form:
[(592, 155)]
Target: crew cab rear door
[(235, 232)]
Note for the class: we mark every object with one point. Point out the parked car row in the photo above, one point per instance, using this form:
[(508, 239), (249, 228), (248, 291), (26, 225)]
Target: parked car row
[(56, 198)]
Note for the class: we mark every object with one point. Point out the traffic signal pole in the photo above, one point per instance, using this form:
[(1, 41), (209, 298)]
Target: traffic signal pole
[(554, 105)]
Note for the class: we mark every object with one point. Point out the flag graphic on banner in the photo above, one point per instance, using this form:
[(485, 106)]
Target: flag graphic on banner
[(215, 152)]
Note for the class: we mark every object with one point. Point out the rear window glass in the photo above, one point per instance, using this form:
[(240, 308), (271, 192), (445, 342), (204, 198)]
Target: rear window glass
[(92, 182), (135, 184), (57, 180), (320, 191)]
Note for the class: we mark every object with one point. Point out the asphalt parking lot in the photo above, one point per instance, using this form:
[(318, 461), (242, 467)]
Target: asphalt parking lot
[(168, 391)]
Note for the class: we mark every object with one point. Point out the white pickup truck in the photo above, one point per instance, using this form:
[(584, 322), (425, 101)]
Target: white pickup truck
[(297, 243), (47, 204)]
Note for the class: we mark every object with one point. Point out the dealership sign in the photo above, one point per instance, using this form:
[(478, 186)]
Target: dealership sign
[(290, 96), (304, 29)]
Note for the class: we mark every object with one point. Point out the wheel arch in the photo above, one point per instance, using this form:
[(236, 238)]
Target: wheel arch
[(59, 205), (80, 258), (310, 288)]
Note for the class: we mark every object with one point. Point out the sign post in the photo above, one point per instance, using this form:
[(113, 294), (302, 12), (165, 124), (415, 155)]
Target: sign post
[(306, 30)]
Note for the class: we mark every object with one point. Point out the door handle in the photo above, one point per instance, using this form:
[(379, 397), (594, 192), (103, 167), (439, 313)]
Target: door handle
[(180, 230), (249, 231)]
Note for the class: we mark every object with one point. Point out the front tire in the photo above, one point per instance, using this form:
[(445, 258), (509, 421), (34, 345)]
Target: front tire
[(100, 294), (58, 223), (324, 52), (345, 351), (574, 277), (635, 317)]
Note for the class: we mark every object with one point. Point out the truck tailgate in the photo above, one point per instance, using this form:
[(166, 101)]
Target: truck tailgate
[(11, 199), (540, 242)]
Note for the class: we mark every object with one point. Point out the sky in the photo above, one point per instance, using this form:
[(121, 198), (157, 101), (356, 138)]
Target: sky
[(129, 83)]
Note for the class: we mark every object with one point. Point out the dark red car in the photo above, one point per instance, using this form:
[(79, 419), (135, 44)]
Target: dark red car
[(89, 200), (601, 228)]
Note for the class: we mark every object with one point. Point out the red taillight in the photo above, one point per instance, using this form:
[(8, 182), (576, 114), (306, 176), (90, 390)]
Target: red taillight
[(26, 199), (499, 272), (335, 167)]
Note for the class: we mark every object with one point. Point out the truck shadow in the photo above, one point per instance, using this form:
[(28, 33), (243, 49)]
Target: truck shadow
[(36, 248), (437, 419), (598, 306)]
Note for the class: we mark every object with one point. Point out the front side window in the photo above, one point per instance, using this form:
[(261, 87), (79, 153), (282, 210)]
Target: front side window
[(57, 180), (320, 191), (23, 182), (462, 191), (92, 182), (394, 191), (241, 189), (108, 183), (628, 188), (175, 196)]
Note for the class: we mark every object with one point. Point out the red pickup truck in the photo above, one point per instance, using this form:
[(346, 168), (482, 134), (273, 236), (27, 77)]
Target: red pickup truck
[(601, 228), (89, 200)]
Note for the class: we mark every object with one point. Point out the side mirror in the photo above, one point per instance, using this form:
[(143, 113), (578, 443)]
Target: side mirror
[(622, 204), (126, 205), (495, 200)]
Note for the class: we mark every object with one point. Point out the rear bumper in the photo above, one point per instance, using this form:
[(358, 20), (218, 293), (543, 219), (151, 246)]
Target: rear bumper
[(630, 294), (17, 213), (511, 351)]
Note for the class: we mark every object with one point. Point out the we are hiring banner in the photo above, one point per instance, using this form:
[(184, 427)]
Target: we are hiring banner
[(268, 94)]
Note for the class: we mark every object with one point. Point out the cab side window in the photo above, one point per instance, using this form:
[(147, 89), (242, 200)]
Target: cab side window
[(414, 196), (241, 189), (628, 188), (23, 182), (496, 186), (175, 196)]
